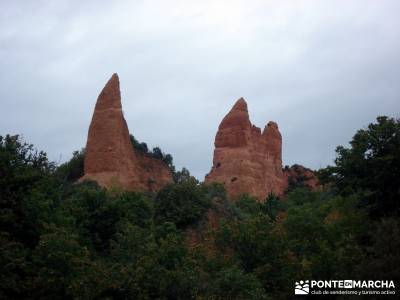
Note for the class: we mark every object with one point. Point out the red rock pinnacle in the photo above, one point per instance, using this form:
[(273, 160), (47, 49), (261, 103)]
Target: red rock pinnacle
[(246, 161), (109, 158), (110, 96)]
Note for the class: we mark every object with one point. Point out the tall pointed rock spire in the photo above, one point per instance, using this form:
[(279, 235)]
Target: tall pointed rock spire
[(240, 104), (234, 129), (273, 140), (246, 161), (109, 156), (110, 96)]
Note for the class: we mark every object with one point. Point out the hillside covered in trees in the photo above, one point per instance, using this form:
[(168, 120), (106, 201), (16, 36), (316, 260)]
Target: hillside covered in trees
[(60, 239)]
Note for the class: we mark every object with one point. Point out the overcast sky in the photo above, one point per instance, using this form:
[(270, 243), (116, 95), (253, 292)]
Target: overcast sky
[(320, 69)]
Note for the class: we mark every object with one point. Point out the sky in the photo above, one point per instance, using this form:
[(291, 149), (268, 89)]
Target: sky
[(320, 69)]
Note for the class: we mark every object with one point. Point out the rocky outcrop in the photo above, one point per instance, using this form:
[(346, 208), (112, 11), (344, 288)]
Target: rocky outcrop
[(154, 173), (246, 160), (299, 176), (110, 158)]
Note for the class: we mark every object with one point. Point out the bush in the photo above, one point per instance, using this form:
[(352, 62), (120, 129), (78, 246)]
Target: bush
[(74, 168), (182, 204), (370, 167)]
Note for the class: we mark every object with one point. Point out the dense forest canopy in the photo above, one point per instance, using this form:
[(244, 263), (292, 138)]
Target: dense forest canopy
[(60, 239)]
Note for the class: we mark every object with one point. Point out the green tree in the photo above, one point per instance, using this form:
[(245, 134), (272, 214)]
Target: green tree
[(65, 268), (138, 146), (23, 171), (73, 169), (371, 167), (182, 204), (98, 215), (13, 268), (184, 176), (382, 256)]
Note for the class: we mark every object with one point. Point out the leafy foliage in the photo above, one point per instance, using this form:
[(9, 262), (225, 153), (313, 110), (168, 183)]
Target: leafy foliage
[(184, 176), (24, 174), (65, 240), (156, 153), (182, 204), (74, 168), (371, 167)]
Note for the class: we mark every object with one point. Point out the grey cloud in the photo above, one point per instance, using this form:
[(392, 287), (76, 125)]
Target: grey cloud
[(322, 70)]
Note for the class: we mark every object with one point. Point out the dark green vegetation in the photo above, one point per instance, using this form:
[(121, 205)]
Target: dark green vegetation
[(60, 240), (370, 167), (73, 169), (157, 153)]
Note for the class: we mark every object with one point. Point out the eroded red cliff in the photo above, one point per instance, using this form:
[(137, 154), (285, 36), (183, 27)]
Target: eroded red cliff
[(246, 160), (299, 176), (110, 158)]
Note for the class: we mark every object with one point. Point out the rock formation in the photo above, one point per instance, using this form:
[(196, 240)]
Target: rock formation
[(246, 160), (299, 176), (110, 158)]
